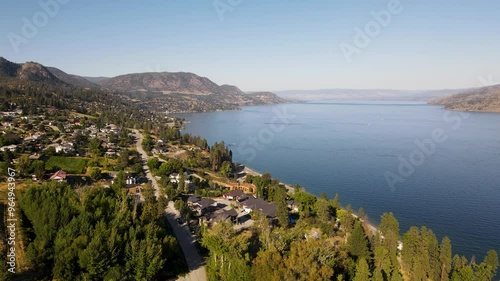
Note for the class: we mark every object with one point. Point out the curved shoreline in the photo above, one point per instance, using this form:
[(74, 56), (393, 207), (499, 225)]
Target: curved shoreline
[(290, 189)]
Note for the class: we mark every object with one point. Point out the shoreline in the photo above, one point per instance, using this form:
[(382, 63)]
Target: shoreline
[(290, 189), (249, 171)]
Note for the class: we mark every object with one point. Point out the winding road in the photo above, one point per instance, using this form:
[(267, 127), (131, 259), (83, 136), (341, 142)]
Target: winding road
[(186, 240)]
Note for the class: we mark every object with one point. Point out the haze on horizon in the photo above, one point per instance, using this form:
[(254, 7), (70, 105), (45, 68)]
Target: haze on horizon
[(263, 45)]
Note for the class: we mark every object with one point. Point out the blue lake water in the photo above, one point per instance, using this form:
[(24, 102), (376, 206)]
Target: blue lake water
[(451, 185)]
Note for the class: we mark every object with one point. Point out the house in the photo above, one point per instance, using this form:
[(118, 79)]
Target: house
[(67, 147), (131, 180), (175, 178), (11, 147), (111, 152), (201, 205), (59, 176), (225, 215), (193, 199), (246, 187), (32, 138), (235, 194), (293, 206), (258, 204)]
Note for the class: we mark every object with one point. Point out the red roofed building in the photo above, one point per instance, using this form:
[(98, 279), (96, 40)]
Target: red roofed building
[(59, 176)]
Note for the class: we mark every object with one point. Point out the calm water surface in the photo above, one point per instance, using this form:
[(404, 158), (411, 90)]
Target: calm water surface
[(349, 147)]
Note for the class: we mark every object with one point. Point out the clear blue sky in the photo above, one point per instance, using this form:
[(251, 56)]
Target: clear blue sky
[(266, 44)]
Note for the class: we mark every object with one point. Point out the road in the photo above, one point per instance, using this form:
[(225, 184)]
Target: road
[(186, 240)]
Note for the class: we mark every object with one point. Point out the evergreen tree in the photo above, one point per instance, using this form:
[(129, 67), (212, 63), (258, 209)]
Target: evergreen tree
[(445, 258), (357, 243), (362, 271)]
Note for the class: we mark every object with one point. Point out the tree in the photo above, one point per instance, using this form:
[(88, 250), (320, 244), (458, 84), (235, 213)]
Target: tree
[(226, 169), (491, 260), (357, 243), (282, 208), (488, 268), (171, 192), (120, 181), (169, 167), (335, 202), (465, 273), (323, 210), (268, 265), (389, 226), (38, 168), (445, 258), (310, 260), (153, 163), (95, 173), (362, 271), (420, 254), (23, 165), (219, 153), (123, 160), (95, 147), (95, 259), (147, 144), (182, 186), (306, 201), (382, 263), (346, 219), (226, 260), (183, 208)]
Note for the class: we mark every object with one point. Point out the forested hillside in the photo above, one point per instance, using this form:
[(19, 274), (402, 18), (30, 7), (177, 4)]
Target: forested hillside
[(97, 233)]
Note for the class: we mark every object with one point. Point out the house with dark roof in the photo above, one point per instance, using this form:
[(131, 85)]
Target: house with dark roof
[(258, 204), (193, 199), (234, 194), (201, 205), (225, 215)]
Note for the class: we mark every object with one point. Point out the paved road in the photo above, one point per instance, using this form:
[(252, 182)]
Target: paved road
[(182, 233)]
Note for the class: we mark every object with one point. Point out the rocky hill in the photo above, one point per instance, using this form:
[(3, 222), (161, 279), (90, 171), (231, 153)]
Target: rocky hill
[(486, 99), (157, 91), (184, 91), (14, 73), (265, 97)]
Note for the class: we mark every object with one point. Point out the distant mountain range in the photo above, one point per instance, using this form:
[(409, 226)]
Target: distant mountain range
[(367, 94), (184, 91), (486, 99), (159, 91)]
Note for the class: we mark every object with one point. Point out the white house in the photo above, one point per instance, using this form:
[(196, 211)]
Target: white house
[(11, 147)]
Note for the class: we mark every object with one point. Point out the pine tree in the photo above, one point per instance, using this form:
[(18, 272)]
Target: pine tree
[(445, 258), (362, 271), (357, 243)]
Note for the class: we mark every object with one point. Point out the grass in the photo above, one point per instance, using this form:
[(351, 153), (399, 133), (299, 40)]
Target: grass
[(72, 165)]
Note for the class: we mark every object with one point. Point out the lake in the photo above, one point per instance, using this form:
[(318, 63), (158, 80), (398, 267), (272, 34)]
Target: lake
[(426, 165)]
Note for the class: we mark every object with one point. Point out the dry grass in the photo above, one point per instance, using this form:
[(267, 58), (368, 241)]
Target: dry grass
[(20, 247)]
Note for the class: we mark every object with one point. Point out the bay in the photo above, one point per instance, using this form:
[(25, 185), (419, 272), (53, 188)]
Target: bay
[(451, 177)]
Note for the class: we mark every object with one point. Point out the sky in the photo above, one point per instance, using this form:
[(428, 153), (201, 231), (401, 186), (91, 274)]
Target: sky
[(264, 44)]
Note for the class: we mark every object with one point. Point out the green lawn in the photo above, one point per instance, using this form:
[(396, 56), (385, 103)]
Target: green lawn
[(72, 165)]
